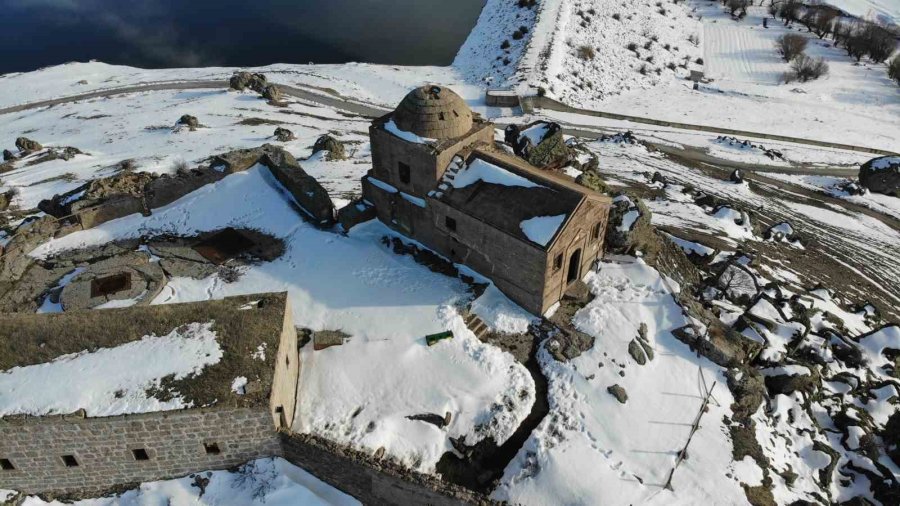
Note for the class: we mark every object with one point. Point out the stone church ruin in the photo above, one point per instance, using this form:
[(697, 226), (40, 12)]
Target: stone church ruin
[(438, 178)]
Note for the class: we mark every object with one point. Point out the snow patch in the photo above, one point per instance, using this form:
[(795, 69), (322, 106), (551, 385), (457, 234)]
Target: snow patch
[(110, 381), (542, 229)]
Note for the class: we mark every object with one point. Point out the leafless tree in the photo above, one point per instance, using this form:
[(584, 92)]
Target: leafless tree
[(804, 68), (894, 69), (823, 22), (791, 45), (737, 5)]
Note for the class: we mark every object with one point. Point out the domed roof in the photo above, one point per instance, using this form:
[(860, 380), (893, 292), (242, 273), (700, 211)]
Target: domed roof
[(434, 112)]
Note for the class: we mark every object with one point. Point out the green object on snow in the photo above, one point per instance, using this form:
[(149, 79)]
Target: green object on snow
[(433, 339)]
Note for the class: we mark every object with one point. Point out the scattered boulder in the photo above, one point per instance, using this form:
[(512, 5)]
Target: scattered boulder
[(637, 352), (188, 121), (272, 93), (66, 154), (629, 224), (27, 145), (718, 343), (736, 176), (333, 147), (619, 393), (790, 378), (881, 175), (781, 232), (284, 135), (6, 199), (542, 144), (312, 198), (891, 436), (243, 80), (659, 178), (8, 155), (853, 188), (592, 179)]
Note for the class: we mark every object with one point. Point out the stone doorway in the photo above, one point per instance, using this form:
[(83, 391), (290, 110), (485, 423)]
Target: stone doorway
[(574, 267)]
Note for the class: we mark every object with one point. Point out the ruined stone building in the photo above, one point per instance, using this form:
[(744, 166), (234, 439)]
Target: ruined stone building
[(438, 178), (56, 437), (87, 408)]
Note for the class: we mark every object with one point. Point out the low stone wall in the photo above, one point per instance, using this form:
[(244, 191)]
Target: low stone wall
[(370, 480), (102, 447)]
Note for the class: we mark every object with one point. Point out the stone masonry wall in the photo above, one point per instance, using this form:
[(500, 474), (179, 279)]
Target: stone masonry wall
[(370, 480), (174, 442)]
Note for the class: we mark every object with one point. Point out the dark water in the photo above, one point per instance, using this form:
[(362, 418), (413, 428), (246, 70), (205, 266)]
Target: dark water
[(194, 33)]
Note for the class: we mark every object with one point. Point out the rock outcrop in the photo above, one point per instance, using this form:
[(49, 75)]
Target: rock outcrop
[(541, 143), (243, 80), (27, 145), (881, 175), (333, 147), (188, 121), (284, 135)]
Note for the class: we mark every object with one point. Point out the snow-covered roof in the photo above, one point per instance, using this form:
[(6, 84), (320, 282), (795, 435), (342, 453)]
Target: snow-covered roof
[(140, 359), (505, 193)]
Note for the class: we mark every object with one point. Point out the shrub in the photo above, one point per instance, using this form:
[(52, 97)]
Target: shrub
[(632, 47), (643, 69), (699, 61), (694, 39), (894, 69), (804, 68), (504, 44), (648, 44), (517, 35), (737, 5), (791, 45), (617, 16), (523, 29), (671, 66), (586, 53)]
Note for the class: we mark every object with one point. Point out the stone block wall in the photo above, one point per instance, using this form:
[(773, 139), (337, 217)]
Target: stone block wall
[(370, 480), (174, 442)]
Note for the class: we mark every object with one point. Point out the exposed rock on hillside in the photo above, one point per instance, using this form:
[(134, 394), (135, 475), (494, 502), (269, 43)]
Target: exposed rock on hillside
[(881, 175), (335, 148), (284, 135), (243, 80), (27, 145)]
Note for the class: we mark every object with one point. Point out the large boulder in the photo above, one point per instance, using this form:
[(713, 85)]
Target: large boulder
[(310, 196), (284, 135), (333, 147), (591, 179), (542, 144), (881, 175), (189, 121), (272, 93), (243, 80), (27, 145), (629, 224)]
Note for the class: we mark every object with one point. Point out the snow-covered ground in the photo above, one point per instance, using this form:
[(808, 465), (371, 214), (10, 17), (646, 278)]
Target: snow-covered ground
[(270, 482), (591, 449), (881, 10)]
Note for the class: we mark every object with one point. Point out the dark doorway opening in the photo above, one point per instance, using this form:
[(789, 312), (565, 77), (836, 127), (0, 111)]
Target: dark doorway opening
[(108, 285), (574, 266), (224, 245)]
